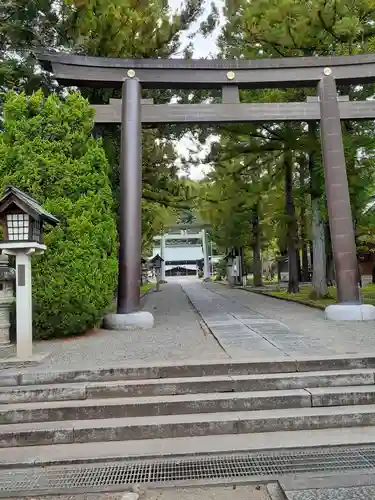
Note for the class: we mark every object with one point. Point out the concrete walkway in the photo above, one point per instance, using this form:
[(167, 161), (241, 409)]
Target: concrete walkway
[(249, 492), (247, 324)]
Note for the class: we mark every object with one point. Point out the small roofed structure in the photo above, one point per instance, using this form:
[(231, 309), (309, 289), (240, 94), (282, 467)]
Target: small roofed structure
[(22, 217), (156, 261)]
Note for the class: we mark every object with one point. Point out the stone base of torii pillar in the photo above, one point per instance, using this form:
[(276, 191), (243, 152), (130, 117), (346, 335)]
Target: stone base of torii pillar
[(139, 320), (350, 312)]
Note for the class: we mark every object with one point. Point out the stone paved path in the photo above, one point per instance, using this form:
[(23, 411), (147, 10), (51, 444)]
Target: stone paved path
[(248, 324), (240, 330)]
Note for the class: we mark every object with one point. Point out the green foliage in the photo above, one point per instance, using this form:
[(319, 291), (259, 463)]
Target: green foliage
[(221, 270), (47, 150), (147, 287), (285, 28), (137, 29), (24, 25), (238, 184), (108, 28), (306, 296), (128, 28)]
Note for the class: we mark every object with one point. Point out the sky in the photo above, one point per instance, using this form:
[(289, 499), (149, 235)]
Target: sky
[(203, 47)]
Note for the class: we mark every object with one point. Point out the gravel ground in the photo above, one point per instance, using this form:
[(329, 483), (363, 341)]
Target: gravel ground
[(177, 335), (355, 493)]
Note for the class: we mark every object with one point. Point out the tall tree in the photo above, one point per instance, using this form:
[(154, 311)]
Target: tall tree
[(237, 199), (274, 28), (291, 223), (24, 25), (136, 29)]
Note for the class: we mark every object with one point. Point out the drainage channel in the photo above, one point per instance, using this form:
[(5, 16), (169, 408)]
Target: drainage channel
[(118, 476)]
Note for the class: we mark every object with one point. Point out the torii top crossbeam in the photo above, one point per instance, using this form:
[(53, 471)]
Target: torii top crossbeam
[(203, 73)]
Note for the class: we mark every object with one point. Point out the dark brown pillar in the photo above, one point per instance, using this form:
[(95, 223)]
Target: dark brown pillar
[(337, 192), (129, 272)]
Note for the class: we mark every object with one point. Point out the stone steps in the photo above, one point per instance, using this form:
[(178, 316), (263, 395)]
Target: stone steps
[(55, 454), (95, 409), (166, 426), (209, 368), (185, 385), (153, 406), (185, 400)]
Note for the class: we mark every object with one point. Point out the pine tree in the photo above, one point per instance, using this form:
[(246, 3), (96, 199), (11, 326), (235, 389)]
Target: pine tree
[(284, 28), (136, 29)]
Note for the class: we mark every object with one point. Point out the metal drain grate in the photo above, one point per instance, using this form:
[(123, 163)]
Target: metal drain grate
[(116, 476)]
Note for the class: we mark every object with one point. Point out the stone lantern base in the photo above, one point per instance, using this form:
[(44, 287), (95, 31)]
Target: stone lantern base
[(4, 321), (4, 334)]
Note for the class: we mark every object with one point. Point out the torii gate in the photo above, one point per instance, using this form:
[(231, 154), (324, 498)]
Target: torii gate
[(200, 234), (230, 76)]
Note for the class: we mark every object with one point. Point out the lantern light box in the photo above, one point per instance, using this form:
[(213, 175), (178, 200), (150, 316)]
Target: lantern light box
[(22, 217)]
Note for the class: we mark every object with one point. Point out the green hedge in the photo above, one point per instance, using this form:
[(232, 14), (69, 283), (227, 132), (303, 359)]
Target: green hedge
[(47, 150)]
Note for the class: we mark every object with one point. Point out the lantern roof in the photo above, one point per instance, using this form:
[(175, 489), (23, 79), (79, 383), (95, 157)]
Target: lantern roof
[(230, 254), (26, 203), (157, 257)]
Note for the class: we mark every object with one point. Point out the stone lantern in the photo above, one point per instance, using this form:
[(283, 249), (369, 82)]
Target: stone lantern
[(7, 278), (200, 265), (22, 220), (157, 262), (144, 271), (231, 261)]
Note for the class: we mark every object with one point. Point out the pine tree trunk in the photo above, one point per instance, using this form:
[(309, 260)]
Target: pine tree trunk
[(292, 229), (360, 283), (330, 265), (237, 279), (319, 282), (305, 263), (242, 265), (305, 275), (331, 279), (256, 247), (299, 266)]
